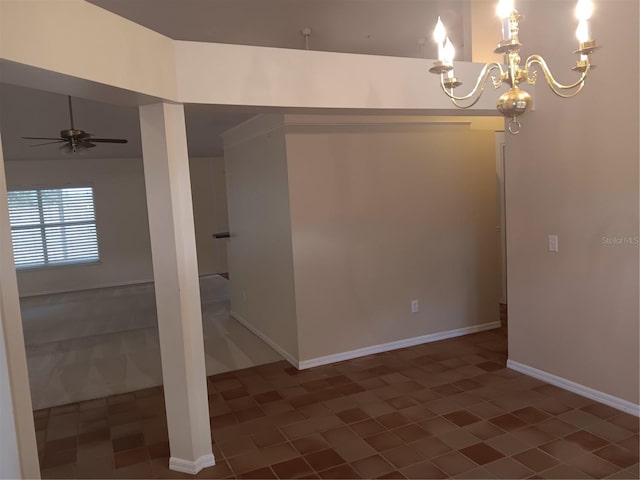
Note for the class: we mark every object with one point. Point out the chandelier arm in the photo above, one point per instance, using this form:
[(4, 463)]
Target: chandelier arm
[(455, 102), (555, 86), (478, 89)]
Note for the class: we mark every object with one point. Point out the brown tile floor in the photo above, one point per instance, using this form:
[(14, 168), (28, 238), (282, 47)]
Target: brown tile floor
[(445, 409)]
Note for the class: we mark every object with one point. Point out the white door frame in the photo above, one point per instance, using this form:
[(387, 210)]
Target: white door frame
[(502, 219)]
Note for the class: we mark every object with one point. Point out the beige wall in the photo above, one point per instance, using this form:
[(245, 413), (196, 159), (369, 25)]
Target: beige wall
[(121, 216), (209, 193), (366, 217), (384, 214), (485, 31), (260, 258), (573, 171), (121, 221)]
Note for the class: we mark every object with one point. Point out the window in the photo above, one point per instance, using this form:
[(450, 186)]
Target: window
[(53, 226)]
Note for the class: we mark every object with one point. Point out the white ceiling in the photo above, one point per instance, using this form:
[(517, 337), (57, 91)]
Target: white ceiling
[(377, 27), (380, 27)]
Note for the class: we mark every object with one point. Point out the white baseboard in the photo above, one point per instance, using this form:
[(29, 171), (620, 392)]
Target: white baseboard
[(93, 287), (385, 347), (102, 286), (192, 468), (287, 356), (361, 352), (598, 396)]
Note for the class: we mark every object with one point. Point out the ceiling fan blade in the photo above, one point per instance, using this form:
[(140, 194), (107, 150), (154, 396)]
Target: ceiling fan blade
[(85, 144), (108, 140), (47, 143), (43, 138)]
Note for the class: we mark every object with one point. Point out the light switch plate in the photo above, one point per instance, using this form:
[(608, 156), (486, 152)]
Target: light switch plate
[(415, 306), (553, 243)]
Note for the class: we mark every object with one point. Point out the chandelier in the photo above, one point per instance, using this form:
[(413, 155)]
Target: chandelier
[(515, 101)]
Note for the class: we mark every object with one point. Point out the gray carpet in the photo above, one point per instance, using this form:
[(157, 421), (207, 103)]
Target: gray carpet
[(95, 343)]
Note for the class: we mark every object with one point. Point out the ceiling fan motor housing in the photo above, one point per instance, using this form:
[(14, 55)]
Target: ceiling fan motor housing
[(74, 133)]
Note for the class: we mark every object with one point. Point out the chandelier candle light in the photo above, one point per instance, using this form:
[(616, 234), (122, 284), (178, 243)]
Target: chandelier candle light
[(515, 101)]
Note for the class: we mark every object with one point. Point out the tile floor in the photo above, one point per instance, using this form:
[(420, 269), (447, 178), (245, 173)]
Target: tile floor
[(439, 410), (96, 343)]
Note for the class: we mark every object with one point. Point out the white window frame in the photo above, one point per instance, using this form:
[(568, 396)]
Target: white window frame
[(42, 225)]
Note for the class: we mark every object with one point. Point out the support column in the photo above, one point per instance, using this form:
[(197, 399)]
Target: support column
[(175, 271), (18, 449)]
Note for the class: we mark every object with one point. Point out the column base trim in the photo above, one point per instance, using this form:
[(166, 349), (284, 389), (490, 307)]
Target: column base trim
[(192, 468), (614, 402)]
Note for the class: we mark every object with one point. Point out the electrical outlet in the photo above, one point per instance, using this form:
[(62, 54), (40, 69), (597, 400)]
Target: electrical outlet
[(244, 296), (553, 243), (415, 306)]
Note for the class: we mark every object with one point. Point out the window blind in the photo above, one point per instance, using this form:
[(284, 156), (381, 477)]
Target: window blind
[(53, 226)]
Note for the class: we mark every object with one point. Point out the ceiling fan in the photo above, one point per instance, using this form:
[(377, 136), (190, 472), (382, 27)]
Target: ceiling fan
[(74, 139)]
